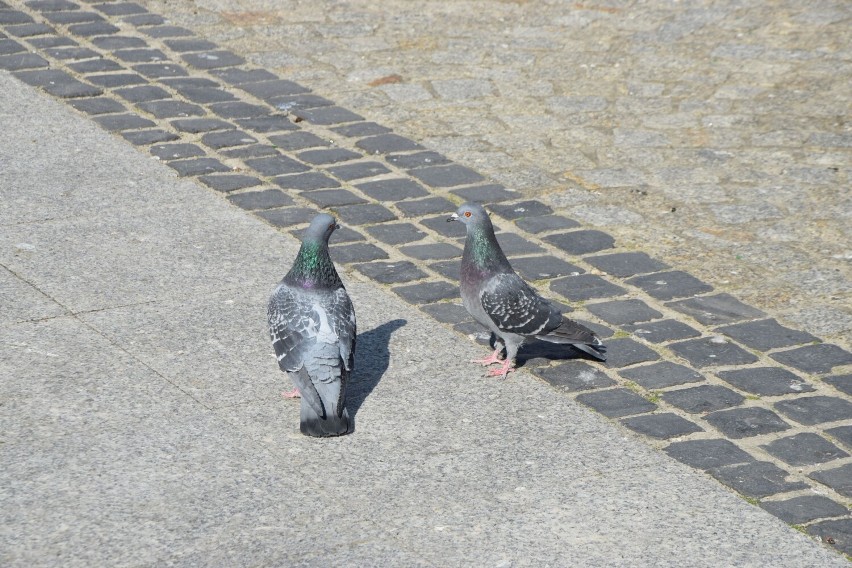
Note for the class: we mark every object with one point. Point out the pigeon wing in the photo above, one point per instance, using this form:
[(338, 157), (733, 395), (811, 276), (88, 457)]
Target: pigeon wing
[(515, 307), (342, 315)]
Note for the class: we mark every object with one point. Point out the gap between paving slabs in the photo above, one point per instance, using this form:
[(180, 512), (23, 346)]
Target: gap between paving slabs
[(717, 384)]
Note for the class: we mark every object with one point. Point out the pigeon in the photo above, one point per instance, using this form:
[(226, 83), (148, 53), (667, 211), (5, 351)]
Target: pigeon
[(312, 326), (500, 300)]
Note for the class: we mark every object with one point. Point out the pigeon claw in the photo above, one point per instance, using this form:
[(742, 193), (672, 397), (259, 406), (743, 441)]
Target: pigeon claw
[(503, 371), (490, 360), (292, 394)]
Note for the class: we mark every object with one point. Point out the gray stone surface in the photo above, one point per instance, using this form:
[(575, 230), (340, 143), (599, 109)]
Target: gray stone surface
[(616, 402), (806, 448), (756, 479), (663, 330), (746, 422), (704, 398), (799, 510), (765, 381), (816, 409), (661, 375), (662, 426), (621, 312), (574, 376), (712, 351), (839, 479)]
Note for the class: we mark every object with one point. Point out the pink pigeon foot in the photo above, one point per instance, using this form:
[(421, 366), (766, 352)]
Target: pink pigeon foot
[(292, 394), (504, 370), (490, 360)]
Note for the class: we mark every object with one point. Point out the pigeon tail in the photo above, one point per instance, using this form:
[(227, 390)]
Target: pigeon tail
[(572, 333), (312, 424)]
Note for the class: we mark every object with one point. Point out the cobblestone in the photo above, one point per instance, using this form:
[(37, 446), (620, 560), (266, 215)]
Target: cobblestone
[(800, 510), (660, 331), (574, 376), (619, 312), (585, 287), (806, 448), (746, 422), (713, 351), (391, 272), (706, 454), (617, 402), (704, 398), (839, 479), (661, 375), (765, 381), (758, 479), (815, 409), (661, 426)]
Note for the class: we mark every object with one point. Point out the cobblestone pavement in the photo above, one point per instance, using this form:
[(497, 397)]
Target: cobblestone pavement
[(763, 407)]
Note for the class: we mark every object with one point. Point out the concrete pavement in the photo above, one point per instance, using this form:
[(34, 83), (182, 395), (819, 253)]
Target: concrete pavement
[(142, 423)]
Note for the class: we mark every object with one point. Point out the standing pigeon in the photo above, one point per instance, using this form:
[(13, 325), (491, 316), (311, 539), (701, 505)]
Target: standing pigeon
[(312, 325), (500, 300)]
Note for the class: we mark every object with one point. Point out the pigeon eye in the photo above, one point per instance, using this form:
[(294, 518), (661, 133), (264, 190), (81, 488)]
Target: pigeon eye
[(467, 213)]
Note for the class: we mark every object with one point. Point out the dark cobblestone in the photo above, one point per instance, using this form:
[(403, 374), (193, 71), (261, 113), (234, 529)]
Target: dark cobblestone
[(171, 109), (707, 454), (117, 80), (624, 264), (19, 61), (513, 245), (142, 93), (393, 189), (839, 479), (120, 8), (176, 151), (620, 312), (340, 236), (758, 479), (198, 125), (8, 47), (120, 122), (238, 110), (51, 41), (661, 426), (276, 165), (360, 170), (241, 77), (308, 181), (437, 251), (746, 422), (800, 510), (57, 83), (716, 309), (265, 124), (327, 115), (95, 66), (333, 197), (77, 17), (427, 292), (765, 381), (446, 176), (447, 312), (93, 29), (766, 334), (804, 449), (186, 45), (521, 210), (360, 129), (418, 160), (708, 352), (820, 358), (212, 59), (490, 193), (198, 166), (439, 224), (166, 32), (293, 103), (670, 285), (541, 267), (450, 269), (581, 242), (614, 403), (229, 182), (253, 151), (288, 216), (205, 95), (838, 533), (661, 375), (226, 139), (71, 53), (396, 233), (29, 30), (660, 331), (358, 252), (623, 352), (386, 143), (111, 43), (267, 199), (428, 206), (298, 141), (585, 287), (815, 409), (365, 213), (97, 105), (391, 272), (14, 17), (269, 90), (703, 398), (145, 137), (143, 55), (331, 156), (842, 434), (545, 223), (843, 383), (573, 376)]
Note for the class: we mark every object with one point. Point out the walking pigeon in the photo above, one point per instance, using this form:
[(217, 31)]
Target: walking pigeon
[(500, 300), (312, 325)]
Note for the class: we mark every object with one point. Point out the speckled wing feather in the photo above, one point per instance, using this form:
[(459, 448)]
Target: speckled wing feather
[(514, 307), (313, 334)]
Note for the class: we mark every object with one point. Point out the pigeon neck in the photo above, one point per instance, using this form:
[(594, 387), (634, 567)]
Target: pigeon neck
[(313, 267), (482, 250)]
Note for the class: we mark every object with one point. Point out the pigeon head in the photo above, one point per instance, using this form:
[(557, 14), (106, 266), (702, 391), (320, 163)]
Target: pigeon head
[(313, 267), (472, 215), (321, 228)]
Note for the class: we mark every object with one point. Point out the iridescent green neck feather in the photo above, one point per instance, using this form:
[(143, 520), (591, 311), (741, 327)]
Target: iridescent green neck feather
[(313, 267), (483, 251)]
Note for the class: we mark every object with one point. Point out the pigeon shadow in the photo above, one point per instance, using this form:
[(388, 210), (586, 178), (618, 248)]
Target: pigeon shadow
[(538, 352), (372, 357)]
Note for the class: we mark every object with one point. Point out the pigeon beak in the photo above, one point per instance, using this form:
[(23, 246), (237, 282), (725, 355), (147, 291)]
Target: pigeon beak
[(453, 217)]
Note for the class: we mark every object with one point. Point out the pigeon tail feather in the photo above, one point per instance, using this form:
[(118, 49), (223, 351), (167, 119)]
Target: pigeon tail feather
[(314, 425)]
